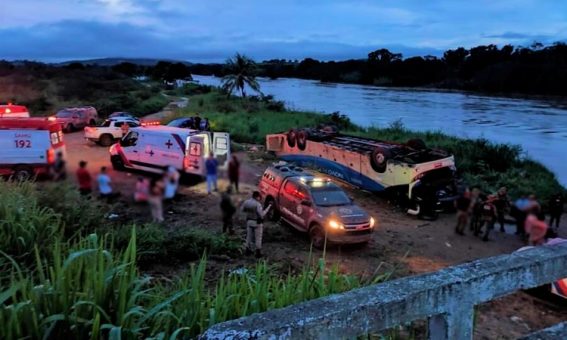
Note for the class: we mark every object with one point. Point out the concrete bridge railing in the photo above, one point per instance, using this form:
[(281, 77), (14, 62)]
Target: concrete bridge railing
[(446, 298)]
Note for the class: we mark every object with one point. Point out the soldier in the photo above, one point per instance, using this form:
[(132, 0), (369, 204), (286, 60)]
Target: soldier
[(487, 217), (252, 210), (502, 204)]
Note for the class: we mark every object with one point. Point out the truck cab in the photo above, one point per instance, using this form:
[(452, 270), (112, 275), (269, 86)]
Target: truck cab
[(314, 205)]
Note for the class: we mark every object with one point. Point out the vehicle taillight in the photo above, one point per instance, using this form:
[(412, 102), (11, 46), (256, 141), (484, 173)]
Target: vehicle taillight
[(185, 162), (50, 156)]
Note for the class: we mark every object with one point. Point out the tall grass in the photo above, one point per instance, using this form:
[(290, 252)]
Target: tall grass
[(86, 291)]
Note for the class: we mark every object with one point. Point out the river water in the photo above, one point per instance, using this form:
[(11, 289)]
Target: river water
[(539, 126)]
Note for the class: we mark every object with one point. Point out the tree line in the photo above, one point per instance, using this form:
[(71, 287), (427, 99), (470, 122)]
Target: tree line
[(532, 70)]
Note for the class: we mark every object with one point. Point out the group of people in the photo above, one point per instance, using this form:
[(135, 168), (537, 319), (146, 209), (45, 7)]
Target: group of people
[(482, 212), (103, 181), (198, 123), (157, 191)]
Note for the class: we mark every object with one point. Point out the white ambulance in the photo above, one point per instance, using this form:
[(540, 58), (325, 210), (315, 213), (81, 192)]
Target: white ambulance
[(153, 148), (29, 146), (13, 111)]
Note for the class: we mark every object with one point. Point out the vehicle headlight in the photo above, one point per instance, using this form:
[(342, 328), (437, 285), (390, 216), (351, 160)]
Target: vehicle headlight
[(372, 222), (334, 224)]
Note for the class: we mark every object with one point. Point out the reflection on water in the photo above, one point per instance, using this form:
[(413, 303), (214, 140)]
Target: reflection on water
[(539, 126)]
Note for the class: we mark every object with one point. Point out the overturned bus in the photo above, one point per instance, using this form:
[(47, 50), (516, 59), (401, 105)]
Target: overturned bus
[(420, 179)]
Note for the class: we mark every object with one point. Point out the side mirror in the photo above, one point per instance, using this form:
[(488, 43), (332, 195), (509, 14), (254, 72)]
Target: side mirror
[(306, 203)]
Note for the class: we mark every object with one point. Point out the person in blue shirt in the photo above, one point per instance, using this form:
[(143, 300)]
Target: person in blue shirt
[(104, 187), (211, 166)]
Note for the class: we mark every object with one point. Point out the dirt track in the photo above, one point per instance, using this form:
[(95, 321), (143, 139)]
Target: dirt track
[(411, 246)]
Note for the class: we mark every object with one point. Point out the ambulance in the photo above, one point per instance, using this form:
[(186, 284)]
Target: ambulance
[(154, 148), (29, 146), (13, 111)]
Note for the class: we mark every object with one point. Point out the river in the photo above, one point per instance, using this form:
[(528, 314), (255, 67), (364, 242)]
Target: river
[(539, 126)]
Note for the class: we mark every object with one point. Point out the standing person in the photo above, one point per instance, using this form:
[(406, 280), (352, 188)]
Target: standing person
[(502, 204), (59, 167), (462, 204), (211, 166), (228, 209), (171, 179), (104, 187), (519, 208), (197, 121), (155, 199), (142, 190), (556, 204), (85, 180), (252, 209), (487, 217), (234, 172), (536, 228), (474, 209)]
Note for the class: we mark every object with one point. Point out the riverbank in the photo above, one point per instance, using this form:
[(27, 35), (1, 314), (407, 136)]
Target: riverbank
[(479, 161)]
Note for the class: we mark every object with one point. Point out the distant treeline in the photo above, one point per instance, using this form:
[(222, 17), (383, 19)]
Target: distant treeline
[(533, 70)]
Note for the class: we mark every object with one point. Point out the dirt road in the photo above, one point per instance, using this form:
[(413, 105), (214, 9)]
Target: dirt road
[(402, 242)]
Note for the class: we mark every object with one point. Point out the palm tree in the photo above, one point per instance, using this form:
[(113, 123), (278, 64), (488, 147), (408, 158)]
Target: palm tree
[(240, 72)]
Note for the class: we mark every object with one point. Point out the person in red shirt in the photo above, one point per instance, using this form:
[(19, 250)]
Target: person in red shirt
[(84, 178)]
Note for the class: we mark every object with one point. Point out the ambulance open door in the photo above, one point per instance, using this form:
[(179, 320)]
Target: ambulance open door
[(221, 147)]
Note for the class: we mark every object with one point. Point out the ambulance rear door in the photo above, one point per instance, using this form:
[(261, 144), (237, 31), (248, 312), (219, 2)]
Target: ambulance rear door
[(193, 162), (221, 147)]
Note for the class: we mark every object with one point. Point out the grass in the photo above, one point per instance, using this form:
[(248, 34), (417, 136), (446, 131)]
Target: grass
[(479, 161), (54, 285)]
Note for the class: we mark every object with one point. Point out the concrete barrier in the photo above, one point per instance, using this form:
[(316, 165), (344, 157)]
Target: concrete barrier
[(446, 298)]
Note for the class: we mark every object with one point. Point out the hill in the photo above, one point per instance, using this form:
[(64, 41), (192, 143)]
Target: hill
[(119, 60)]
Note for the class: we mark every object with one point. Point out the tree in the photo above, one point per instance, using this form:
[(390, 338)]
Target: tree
[(240, 72)]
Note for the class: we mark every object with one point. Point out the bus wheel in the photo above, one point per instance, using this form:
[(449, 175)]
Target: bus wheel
[(416, 144), (379, 159), (302, 139), (291, 138), (23, 173)]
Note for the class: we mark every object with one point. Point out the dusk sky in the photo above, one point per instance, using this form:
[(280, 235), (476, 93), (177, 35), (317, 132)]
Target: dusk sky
[(204, 31)]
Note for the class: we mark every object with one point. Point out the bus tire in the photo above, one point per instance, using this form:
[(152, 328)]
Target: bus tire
[(291, 138), (106, 139), (302, 136), (416, 144), (22, 173), (379, 159)]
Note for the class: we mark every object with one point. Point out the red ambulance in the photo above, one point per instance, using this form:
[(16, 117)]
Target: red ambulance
[(29, 146)]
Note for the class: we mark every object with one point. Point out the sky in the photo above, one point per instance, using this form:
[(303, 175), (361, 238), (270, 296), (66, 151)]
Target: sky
[(213, 30)]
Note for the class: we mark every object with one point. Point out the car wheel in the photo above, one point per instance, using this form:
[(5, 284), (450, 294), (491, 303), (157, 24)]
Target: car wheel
[(117, 163), (69, 128), (317, 236), (274, 213), (22, 173), (106, 140)]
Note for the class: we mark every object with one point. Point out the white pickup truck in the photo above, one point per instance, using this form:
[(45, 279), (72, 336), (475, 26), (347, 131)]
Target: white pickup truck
[(110, 130)]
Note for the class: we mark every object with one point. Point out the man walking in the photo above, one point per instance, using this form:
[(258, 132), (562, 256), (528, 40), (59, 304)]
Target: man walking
[(211, 166), (84, 178), (487, 217), (252, 210), (234, 172), (462, 204), (228, 209)]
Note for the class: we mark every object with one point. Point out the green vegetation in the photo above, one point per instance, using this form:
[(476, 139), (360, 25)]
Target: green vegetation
[(479, 161), (46, 88), (61, 277)]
